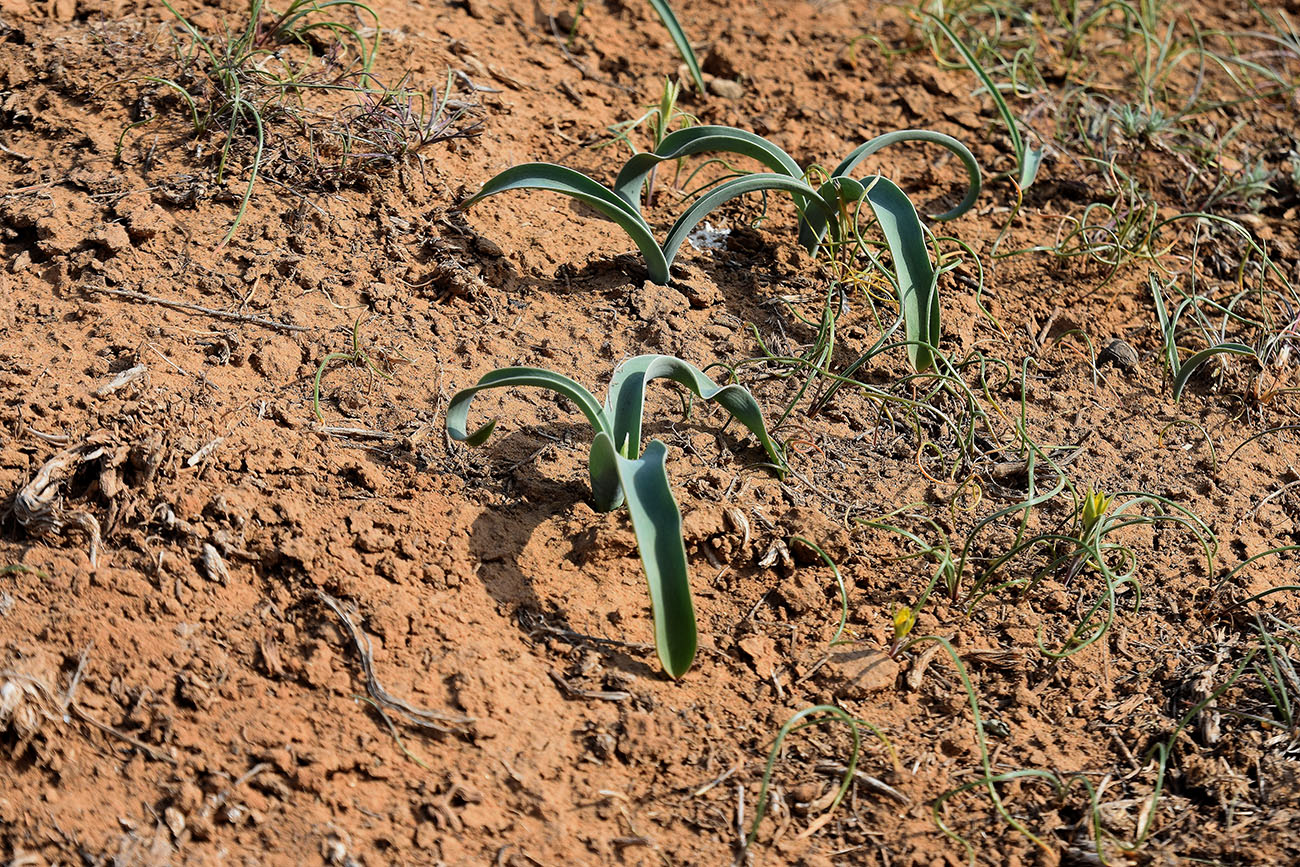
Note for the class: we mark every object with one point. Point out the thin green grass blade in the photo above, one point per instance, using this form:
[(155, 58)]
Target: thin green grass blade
[(1027, 159), (185, 96), (559, 179), (713, 199), (697, 140), (288, 26), (194, 34), (657, 522), (918, 291), (669, 18), (1190, 365), (834, 714), (625, 401), (1166, 325), (253, 171)]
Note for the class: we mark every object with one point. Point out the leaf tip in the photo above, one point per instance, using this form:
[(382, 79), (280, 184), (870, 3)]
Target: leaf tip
[(480, 436)]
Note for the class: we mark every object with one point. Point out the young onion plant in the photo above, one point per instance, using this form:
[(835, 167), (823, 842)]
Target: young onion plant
[(623, 474), (829, 209), (1258, 319)]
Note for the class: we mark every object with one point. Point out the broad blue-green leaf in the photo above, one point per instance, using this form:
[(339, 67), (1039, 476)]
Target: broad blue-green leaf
[(619, 475), (510, 377), (560, 179), (657, 522), (918, 292), (665, 13), (1029, 166), (843, 191), (714, 198), (625, 401), (1189, 367), (698, 140), (606, 488)]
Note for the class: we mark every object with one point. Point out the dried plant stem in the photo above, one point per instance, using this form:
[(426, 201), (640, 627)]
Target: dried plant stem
[(195, 308)]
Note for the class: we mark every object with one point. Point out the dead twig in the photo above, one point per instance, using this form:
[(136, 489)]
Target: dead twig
[(35, 686), (217, 800), (571, 691), (827, 766), (186, 307), (354, 432), (721, 779), (123, 379), (204, 451), (1008, 471), (18, 155)]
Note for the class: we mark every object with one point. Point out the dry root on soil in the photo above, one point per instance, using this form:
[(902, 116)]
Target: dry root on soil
[(38, 505), (26, 704)]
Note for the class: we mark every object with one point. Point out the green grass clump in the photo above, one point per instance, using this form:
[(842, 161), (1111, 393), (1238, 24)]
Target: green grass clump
[(622, 474), (248, 79), (269, 75), (1259, 319)]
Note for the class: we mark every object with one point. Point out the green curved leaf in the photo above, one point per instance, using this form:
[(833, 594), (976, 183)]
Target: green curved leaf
[(1027, 159), (683, 44), (604, 482), (560, 179), (510, 377), (657, 522), (697, 140), (625, 401), (1029, 166), (706, 203), (606, 489), (861, 152), (1189, 367)]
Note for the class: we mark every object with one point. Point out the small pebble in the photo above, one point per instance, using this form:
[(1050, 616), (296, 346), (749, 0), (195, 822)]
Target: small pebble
[(727, 89), (1119, 353)]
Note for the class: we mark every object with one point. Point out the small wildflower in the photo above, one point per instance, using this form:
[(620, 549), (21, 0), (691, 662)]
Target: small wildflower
[(1095, 504), (904, 620)]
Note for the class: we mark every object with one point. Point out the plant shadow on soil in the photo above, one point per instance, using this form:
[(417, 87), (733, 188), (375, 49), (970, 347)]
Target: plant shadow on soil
[(499, 536)]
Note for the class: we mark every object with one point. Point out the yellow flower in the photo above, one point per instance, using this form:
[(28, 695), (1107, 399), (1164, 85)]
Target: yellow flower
[(904, 620)]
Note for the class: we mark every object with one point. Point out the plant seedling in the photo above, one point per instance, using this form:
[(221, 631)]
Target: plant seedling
[(621, 473), (357, 355), (830, 208), (1095, 504)]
